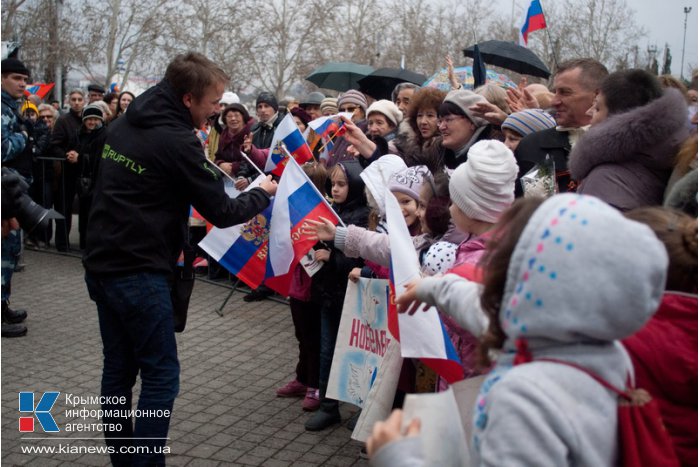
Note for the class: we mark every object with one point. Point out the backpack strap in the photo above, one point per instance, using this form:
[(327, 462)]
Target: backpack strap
[(626, 395)]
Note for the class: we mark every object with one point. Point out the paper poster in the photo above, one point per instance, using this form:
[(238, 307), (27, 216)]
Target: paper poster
[(230, 188), (441, 429), (363, 339), (309, 263)]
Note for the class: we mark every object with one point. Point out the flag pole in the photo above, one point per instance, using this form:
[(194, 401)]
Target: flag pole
[(252, 163), (312, 185), (549, 36), (330, 138), (221, 170)]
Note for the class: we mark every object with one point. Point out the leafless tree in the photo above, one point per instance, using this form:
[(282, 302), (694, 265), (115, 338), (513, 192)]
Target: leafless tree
[(601, 29), (116, 34)]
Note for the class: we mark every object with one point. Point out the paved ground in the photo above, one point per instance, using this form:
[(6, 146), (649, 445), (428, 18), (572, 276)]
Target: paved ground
[(226, 413)]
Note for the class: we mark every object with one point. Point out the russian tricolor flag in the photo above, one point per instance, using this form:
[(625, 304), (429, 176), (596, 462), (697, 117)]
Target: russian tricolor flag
[(533, 21), (422, 335), (268, 247), (296, 200), (40, 89), (287, 133), (242, 249), (324, 130)]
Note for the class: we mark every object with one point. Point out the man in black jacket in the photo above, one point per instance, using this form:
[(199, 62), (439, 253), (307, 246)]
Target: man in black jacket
[(151, 170), (268, 119), (64, 132)]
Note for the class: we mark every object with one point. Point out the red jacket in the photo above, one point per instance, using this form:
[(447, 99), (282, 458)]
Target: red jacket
[(665, 358)]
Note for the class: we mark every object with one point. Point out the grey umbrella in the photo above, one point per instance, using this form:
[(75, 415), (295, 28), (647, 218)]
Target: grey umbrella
[(339, 76), (510, 56)]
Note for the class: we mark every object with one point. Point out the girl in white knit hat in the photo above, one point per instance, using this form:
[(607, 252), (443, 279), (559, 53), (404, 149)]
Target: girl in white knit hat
[(481, 189)]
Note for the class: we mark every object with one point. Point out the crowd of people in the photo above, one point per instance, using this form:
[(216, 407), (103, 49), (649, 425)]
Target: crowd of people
[(555, 223)]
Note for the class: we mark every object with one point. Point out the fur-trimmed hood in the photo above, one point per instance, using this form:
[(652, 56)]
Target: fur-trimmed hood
[(647, 135)]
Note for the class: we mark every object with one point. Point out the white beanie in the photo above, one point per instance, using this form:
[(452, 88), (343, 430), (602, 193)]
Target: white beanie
[(483, 186), (229, 98), (388, 109)]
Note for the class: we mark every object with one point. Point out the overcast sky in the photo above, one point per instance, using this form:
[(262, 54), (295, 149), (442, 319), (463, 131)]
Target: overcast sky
[(663, 19)]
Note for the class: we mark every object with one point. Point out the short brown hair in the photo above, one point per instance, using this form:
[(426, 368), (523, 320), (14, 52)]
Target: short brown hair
[(317, 173), (194, 73), (592, 71), (679, 234), (424, 98)]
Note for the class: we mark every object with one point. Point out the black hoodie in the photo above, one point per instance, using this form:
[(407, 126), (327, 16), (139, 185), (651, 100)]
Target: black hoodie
[(331, 281), (152, 169)]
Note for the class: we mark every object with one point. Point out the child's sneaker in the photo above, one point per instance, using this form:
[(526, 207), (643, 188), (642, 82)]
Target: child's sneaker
[(292, 389), (311, 400)]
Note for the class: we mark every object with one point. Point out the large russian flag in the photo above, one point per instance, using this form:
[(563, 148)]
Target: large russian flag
[(422, 335), (533, 21), (287, 133), (296, 200), (242, 249), (268, 247)]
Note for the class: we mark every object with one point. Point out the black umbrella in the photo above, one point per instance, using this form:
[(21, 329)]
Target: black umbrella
[(339, 76), (381, 82), (478, 68), (510, 56)]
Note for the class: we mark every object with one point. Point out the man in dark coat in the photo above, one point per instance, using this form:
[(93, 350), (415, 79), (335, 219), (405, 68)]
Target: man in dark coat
[(151, 171), (268, 118), (64, 133), (575, 86)]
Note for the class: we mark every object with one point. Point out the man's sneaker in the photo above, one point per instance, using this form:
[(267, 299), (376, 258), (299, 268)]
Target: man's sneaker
[(292, 389), (11, 316), (311, 401), (13, 330)]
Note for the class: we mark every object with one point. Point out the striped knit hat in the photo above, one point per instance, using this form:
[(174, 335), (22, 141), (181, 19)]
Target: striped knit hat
[(353, 97), (528, 121)]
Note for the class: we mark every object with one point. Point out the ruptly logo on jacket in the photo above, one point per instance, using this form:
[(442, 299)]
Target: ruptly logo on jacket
[(111, 154)]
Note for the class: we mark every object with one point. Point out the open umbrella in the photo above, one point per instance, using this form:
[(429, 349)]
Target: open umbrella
[(465, 76), (510, 56), (339, 76), (381, 82)]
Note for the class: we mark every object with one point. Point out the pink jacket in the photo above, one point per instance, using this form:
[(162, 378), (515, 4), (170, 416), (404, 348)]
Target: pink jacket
[(470, 251)]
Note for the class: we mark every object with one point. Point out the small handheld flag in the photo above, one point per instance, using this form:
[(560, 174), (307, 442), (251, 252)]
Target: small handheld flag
[(287, 134)]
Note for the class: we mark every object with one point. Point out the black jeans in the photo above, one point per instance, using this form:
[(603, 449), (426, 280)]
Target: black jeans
[(307, 329)]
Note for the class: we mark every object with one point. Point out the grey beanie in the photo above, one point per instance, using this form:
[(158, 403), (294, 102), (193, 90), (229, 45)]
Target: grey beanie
[(314, 98), (483, 186), (465, 99), (268, 98), (409, 181)]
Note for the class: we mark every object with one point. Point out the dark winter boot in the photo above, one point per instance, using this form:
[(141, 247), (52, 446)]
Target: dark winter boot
[(326, 416), (13, 330), (11, 316)]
